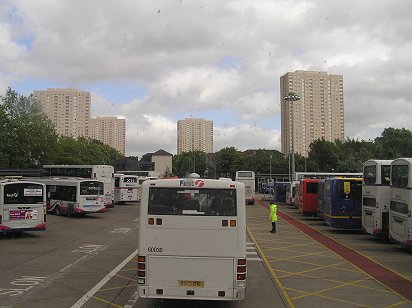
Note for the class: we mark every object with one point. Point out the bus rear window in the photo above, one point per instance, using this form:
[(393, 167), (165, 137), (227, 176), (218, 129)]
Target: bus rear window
[(349, 189), (91, 188), (370, 202), (399, 176), (200, 202), (399, 207), (23, 193), (369, 175), (311, 188)]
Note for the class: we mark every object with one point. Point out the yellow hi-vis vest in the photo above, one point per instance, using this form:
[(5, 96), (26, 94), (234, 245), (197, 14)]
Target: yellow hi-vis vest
[(273, 215)]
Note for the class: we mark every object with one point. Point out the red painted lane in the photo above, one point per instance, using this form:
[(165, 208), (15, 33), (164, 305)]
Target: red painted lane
[(389, 278)]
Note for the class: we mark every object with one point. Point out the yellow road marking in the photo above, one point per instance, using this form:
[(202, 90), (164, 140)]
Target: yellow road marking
[(352, 283), (114, 288), (313, 269), (106, 302), (275, 277), (396, 304), (335, 299), (126, 277)]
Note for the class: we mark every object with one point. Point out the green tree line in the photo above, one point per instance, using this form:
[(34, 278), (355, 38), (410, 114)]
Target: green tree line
[(324, 156), (28, 138)]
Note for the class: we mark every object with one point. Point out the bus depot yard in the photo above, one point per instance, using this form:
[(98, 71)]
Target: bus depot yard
[(92, 260)]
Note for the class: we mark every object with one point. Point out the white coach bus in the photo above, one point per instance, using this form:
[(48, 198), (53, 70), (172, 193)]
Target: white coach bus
[(247, 178), (125, 188), (400, 220), (104, 173), (22, 206), (74, 196), (376, 197), (192, 240)]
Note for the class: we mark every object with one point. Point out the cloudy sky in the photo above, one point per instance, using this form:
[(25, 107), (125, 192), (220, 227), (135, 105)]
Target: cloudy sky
[(155, 62)]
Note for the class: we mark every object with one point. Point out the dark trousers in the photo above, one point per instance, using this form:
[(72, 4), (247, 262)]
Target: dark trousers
[(273, 226)]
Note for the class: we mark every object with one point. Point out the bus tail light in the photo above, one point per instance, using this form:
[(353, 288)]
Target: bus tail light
[(409, 213), (241, 269), (0, 218), (141, 269), (225, 223), (233, 223), (151, 221)]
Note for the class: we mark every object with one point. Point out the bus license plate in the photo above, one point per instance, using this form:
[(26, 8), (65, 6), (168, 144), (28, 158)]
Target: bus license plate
[(189, 283)]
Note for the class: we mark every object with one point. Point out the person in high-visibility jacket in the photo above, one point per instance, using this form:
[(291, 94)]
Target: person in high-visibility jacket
[(273, 215)]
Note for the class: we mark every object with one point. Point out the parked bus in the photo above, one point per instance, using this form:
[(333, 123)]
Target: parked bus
[(280, 191), (247, 178), (376, 197), (343, 203), (400, 220), (125, 188), (74, 196), (319, 199), (308, 190), (22, 206), (290, 195), (192, 240), (296, 198), (103, 173), (141, 173)]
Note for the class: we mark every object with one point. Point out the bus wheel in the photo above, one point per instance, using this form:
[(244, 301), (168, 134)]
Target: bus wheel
[(57, 210)]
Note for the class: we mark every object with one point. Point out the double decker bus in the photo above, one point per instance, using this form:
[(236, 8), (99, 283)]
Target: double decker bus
[(247, 178), (343, 203), (104, 173), (125, 188), (192, 240), (22, 206), (376, 197), (400, 220), (308, 190), (74, 196)]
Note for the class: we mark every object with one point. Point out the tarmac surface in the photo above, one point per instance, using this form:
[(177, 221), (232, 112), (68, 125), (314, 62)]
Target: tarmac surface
[(316, 266)]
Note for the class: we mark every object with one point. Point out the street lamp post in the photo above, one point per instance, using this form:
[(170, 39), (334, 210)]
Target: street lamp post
[(270, 168), (292, 97)]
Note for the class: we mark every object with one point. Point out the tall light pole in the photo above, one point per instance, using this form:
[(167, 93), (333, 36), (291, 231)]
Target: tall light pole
[(292, 97), (270, 168)]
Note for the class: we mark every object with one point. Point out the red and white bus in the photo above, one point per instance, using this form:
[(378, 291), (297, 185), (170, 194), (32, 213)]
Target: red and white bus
[(22, 206)]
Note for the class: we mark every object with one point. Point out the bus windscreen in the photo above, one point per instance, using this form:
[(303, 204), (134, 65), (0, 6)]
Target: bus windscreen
[(186, 201), (23, 193)]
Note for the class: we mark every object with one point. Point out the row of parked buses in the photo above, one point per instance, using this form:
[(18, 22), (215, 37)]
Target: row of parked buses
[(63, 190), (377, 201)]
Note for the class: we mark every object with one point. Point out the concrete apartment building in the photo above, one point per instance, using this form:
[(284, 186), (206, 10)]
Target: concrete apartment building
[(317, 114), (68, 109), (194, 134), (110, 131)]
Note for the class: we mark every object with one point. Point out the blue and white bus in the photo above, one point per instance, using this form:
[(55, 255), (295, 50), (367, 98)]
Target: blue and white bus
[(343, 203)]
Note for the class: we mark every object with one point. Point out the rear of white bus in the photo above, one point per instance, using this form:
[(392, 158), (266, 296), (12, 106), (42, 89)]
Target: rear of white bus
[(22, 206), (400, 220), (90, 198), (127, 190), (192, 240)]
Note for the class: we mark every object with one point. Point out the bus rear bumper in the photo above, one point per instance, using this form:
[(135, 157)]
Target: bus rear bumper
[(192, 293)]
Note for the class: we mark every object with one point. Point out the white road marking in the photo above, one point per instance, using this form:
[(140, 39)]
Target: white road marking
[(102, 282)]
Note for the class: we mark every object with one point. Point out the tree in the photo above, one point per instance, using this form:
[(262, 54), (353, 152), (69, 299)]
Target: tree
[(28, 138), (189, 162), (324, 154), (394, 143)]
